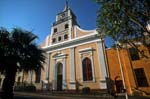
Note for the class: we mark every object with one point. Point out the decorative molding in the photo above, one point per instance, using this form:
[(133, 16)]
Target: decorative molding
[(71, 44), (86, 49), (59, 57)]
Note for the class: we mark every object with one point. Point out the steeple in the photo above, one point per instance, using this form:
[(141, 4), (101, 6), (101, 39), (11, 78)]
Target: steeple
[(65, 16), (61, 29), (66, 6)]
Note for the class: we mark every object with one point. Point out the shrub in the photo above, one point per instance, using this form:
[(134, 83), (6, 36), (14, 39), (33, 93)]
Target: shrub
[(27, 88), (30, 88)]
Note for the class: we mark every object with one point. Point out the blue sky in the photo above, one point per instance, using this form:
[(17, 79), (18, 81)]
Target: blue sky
[(38, 15)]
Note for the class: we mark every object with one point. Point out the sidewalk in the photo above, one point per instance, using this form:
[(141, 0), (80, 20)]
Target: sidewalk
[(50, 95)]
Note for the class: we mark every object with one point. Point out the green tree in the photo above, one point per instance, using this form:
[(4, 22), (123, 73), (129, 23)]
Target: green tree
[(18, 51), (125, 20)]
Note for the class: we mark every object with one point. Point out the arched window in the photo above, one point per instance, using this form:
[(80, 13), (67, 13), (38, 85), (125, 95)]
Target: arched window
[(65, 36), (55, 30), (66, 26), (87, 70)]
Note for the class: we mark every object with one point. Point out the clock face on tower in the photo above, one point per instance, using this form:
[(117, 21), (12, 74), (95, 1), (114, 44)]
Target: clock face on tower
[(61, 16)]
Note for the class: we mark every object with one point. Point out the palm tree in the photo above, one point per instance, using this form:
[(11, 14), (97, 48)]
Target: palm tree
[(4, 40), (22, 53)]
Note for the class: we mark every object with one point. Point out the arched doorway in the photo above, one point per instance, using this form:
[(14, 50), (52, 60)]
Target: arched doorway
[(59, 76)]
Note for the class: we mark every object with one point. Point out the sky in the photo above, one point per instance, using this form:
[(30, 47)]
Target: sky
[(38, 15)]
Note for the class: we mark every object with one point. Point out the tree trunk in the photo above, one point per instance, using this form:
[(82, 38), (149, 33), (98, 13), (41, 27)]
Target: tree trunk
[(7, 87)]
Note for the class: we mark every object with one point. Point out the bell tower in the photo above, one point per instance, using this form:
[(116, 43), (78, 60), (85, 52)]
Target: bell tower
[(61, 28)]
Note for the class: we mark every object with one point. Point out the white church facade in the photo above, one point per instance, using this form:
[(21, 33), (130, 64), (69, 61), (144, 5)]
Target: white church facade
[(75, 57)]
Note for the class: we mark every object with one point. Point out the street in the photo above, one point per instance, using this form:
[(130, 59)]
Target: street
[(37, 96), (59, 97), (24, 95)]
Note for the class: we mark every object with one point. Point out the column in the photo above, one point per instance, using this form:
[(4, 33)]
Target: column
[(22, 80), (54, 83), (48, 67), (93, 73), (30, 76), (72, 79), (81, 59), (69, 30), (75, 31), (64, 74), (103, 72)]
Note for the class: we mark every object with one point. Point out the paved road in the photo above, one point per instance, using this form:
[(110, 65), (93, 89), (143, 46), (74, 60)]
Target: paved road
[(38, 96), (56, 97), (31, 97), (71, 97), (20, 95)]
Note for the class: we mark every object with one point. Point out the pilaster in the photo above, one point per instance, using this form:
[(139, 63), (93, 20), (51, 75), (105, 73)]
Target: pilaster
[(64, 74), (103, 72), (30, 76), (48, 66), (72, 79), (54, 83)]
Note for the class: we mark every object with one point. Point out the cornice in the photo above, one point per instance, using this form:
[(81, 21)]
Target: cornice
[(73, 42)]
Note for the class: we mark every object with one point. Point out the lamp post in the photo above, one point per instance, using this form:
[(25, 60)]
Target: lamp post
[(121, 69)]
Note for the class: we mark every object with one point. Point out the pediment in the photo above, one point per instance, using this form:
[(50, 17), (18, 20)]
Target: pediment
[(59, 55)]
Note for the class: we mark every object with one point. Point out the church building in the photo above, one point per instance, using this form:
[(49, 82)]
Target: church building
[(75, 57), (78, 59)]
